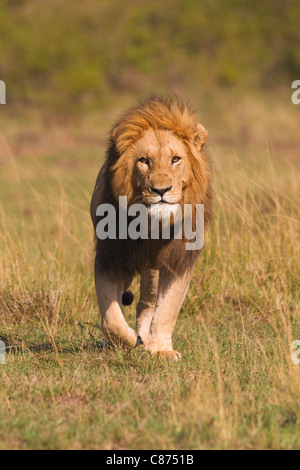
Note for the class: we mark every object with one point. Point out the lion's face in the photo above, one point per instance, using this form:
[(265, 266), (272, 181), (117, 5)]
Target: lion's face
[(160, 169), (154, 171)]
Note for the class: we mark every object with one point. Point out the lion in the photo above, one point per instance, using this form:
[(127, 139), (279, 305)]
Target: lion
[(155, 157)]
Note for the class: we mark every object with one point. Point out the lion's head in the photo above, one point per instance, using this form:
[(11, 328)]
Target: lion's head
[(155, 157)]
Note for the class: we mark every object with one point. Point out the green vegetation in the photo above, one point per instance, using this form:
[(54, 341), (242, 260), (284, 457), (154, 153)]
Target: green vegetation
[(66, 55)]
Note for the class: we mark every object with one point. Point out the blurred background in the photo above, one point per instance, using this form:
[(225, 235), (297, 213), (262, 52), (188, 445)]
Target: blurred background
[(72, 62), (71, 55)]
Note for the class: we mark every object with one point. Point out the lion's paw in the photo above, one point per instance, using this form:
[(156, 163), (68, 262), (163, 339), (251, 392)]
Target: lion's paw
[(173, 355)]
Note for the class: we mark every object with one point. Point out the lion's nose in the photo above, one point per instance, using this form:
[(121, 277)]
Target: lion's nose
[(160, 191)]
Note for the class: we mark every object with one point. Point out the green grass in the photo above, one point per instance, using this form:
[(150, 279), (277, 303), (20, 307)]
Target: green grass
[(81, 56), (236, 386)]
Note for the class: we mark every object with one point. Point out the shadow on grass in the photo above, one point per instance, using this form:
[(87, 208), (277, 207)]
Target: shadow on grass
[(46, 343)]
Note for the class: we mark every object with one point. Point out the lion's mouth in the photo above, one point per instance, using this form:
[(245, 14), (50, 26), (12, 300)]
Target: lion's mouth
[(155, 201), (162, 201)]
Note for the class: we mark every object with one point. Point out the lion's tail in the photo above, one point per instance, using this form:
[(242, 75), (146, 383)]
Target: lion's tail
[(127, 297)]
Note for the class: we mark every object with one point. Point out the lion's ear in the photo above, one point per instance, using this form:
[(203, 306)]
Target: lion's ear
[(200, 137), (114, 132)]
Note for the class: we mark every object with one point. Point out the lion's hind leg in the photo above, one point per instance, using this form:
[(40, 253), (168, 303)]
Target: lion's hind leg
[(113, 323)]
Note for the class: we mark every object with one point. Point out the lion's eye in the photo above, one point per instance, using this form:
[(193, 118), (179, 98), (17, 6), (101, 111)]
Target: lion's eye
[(144, 160), (176, 159)]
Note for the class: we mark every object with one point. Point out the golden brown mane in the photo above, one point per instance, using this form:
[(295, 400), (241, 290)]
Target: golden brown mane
[(156, 113)]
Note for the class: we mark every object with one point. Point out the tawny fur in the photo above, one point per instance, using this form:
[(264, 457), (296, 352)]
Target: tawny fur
[(156, 128), (128, 257)]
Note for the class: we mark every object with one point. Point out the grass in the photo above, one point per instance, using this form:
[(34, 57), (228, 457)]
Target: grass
[(236, 386)]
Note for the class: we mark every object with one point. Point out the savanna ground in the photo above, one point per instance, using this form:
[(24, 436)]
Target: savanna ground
[(236, 386)]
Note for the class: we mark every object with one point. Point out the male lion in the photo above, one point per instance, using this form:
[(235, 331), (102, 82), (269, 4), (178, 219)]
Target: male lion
[(154, 157)]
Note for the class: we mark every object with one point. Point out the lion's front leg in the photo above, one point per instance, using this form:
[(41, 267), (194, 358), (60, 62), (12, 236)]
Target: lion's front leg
[(114, 326), (171, 293), (146, 307)]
